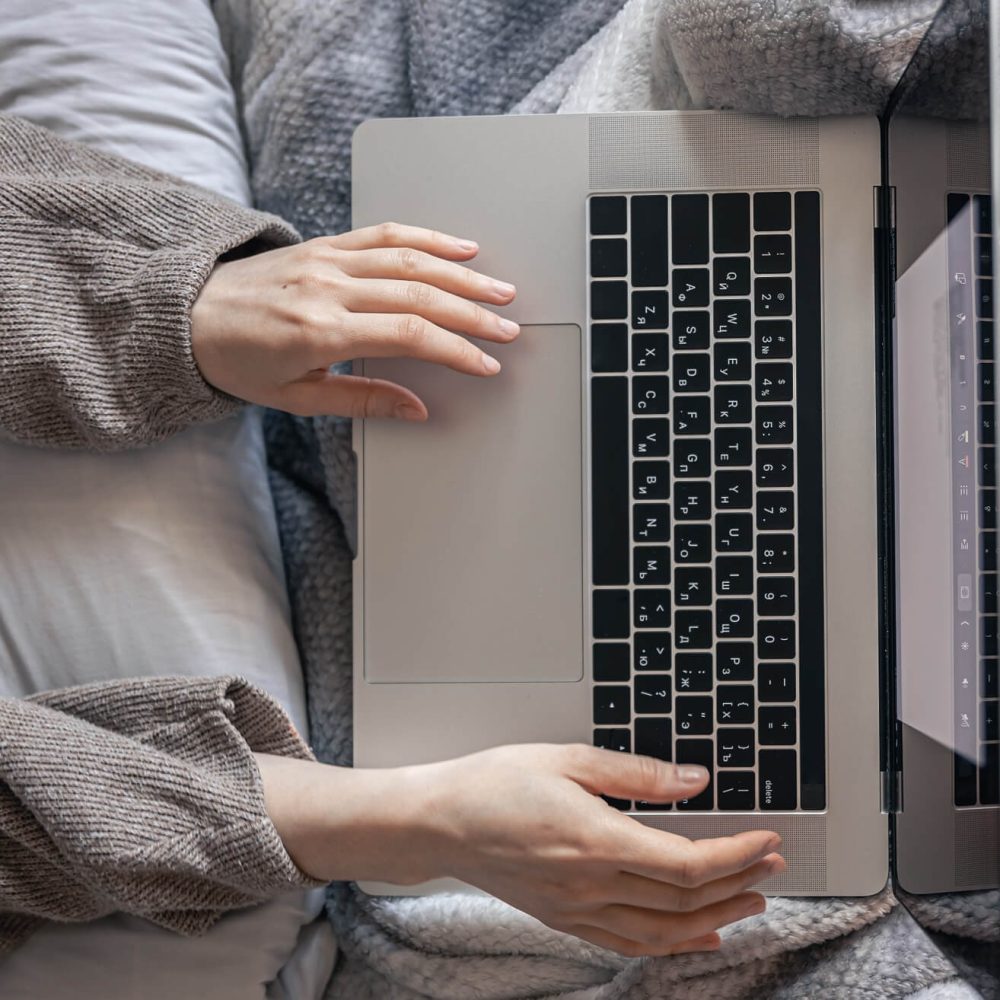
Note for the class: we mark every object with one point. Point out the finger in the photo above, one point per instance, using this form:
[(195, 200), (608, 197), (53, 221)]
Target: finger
[(633, 776), (350, 396), (635, 949), (415, 265), (392, 234), (396, 335), (382, 295)]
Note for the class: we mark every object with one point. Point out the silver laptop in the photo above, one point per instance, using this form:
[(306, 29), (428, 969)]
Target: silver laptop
[(709, 509)]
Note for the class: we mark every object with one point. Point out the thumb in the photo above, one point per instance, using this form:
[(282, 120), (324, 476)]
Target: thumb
[(632, 776), (324, 393)]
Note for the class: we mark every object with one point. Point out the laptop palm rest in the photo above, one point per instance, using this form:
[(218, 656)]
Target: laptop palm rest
[(499, 460)]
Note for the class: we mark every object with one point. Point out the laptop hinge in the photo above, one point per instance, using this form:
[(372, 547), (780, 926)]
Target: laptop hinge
[(891, 792)]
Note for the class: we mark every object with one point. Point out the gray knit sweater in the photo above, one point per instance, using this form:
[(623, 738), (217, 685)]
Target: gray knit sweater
[(137, 796)]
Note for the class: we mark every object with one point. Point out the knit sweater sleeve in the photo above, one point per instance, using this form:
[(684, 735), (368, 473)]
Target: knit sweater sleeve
[(140, 797), (100, 262)]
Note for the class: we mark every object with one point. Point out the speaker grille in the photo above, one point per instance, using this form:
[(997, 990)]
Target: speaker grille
[(977, 848), (968, 155), (701, 150)]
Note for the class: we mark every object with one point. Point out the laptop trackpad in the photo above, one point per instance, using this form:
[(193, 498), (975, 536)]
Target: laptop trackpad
[(473, 521)]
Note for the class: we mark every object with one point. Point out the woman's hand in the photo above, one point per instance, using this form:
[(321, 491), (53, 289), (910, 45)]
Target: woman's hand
[(267, 328), (525, 824)]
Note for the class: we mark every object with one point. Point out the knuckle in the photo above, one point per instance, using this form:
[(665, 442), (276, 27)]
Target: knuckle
[(419, 295), (410, 329), (388, 232), (690, 871), (408, 260)]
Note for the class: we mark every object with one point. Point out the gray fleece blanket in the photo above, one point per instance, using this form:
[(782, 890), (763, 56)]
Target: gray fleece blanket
[(307, 72)]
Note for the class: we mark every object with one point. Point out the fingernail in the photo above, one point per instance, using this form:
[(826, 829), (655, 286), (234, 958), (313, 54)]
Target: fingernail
[(509, 327), (491, 364), (772, 845), (504, 289), (466, 245), (775, 865), (691, 774), (406, 411)]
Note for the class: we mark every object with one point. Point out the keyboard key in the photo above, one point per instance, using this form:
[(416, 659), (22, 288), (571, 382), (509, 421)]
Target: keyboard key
[(988, 550), (773, 424), (650, 311), (776, 726), (987, 382), (651, 480), (690, 330), (608, 300), (693, 586), (611, 705), (734, 704), (732, 404), (693, 459), (965, 781), (650, 394), (987, 468), (736, 790), (984, 298), (650, 437), (731, 223), (772, 296), (693, 715), (731, 276), (693, 501), (690, 286), (988, 673), (989, 776), (607, 216), (690, 228), (650, 352), (651, 522), (613, 739), (651, 650), (649, 240), (609, 469), (654, 738), (736, 748), (731, 318), (733, 446), (608, 258), (985, 340), (733, 619), (611, 614), (984, 256), (775, 640), (773, 339), (611, 661), (734, 661), (694, 672), (776, 781), (990, 722), (692, 415), (772, 211), (732, 362), (772, 254), (651, 694), (651, 566), (988, 635), (776, 596), (651, 608), (608, 347), (775, 553), (987, 424), (697, 752), (774, 467), (692, 543), (734, 533), (773, 383), (982, 213), (733, 490), (988, 509), (733, 575), (776, 682), (691, 372), (775, 510), (693, 629)]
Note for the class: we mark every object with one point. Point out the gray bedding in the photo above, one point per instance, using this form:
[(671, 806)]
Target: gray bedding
[(308, 71)]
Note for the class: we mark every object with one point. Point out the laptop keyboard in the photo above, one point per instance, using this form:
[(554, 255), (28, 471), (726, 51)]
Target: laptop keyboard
[(973, 401), (706, 460)]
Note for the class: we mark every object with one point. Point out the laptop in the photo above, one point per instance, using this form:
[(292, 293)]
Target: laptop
[(731, 500)]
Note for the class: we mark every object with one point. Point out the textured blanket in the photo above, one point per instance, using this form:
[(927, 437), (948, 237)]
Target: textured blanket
[(307, 72)]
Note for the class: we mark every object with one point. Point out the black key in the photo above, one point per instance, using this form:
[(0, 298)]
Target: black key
[(776, 596), (651, 437), (693, 586), (690, 286), (775, 640), (608, 258), (734, 661), (988, 589), (693, 459), (772, 211), (731, 276), (987, 424), (609, 465), (773, 339), (609, 347), (984, 256), (987, 382), (691, 372), (651, 480), (736, 748), (984, 298), (731, 223), (990, 722), (651, 394), (732, 362), (734, 705), (733, 618), (692, 415), (772, 254), (988, 509), (697, 752), (989, 776), (776, 726), (731, 318), (733, 575), (694, 672), (623, 805), (982, 213), (690, 330), (736, 790), (693, 629), (651, 650), (965, 781), (775, 510), (693, 500), (651, 608), (693, 543), (650, 352), (988, 551), (772, 296), (611, 705), (774, 467), (651, 565), (611, 661), (733, 490), (613, 739), (649, 240), (988, 671), (611, 618), (775, 553), (608, 300), (734, 533), (693, 714), (773, 424), (651, 522), (690, 228), (732, 404), (776, 780), (987, 468), (607, 216), (654, 738), (773, 383), (985, 337), (733, 446), (650, 311), (776, 682), (651, 694), (988, 635)]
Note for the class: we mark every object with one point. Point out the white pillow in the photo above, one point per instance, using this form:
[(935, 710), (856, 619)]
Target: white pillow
[(159, 561)]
